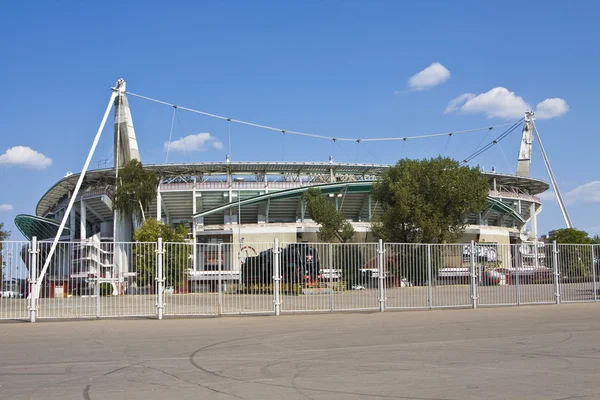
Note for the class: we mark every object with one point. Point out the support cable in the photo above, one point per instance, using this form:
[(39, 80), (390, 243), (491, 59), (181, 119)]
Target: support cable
[(501, 150), (493, 143), (229, 135), (187, 154), (291, 132), (171, 133), (371, 153)]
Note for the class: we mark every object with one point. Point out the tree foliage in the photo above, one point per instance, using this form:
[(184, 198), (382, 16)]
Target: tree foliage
[(333, 223), (570, 236), (425, 201), (4, 235), (575, 258), (135, 189), (176, 257)]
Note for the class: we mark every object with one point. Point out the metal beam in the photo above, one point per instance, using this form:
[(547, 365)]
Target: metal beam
[(561, 203), (90, 209), (37, 285)]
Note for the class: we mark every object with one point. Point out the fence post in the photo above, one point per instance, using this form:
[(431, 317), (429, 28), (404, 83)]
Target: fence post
[(276, 276), (159, 277), (429, 278), (331, 277), (98, 289), (381, 272), (473, 276), (556, 272), (519, 262), (594, 277), (220, 278), (33, 252)]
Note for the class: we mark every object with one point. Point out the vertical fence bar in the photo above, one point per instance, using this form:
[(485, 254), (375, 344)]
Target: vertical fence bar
[(594, 277), (276, 276), (556, 272), (429, 278), (473, 275), (331, 272), (98, 274), (34, 251), (518, 266), (220, 279), (159, 277), (380, 271)]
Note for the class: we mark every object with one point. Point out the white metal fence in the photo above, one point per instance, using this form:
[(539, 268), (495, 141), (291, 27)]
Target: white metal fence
[(96, 279)]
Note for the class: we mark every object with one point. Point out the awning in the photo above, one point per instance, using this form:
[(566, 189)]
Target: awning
[(42, 228)]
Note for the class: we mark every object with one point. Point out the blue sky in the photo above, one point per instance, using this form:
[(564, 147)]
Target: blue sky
[(338, 68)]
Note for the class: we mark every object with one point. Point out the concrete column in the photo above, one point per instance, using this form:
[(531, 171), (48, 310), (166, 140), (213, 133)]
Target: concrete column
[(532, 212), (266, 183), (72, 225), (83, 222), (158, 204), (229, 182), (195, 251)]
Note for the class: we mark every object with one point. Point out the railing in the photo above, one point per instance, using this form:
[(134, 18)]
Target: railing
[(159, 279)]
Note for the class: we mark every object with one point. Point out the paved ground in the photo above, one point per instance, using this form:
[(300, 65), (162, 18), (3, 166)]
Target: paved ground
[(535, 352)]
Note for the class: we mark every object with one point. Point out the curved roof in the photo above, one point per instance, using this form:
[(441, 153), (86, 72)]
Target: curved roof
[(348, 187), (106, 176), (533, 185), (42, 228)]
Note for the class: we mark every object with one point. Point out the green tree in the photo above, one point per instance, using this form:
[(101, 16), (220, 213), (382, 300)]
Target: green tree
[(596, 239), (575, 256), (176, 257), (135, 189), (425, 201), (570, 236), (333, 223), (4, 235)]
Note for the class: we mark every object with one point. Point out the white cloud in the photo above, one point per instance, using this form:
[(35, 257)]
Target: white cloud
[(5, 207), (197, 142), (455, 104), (551, 108), (547, 196), (502, 103), (434, 75), (22, 156), (587, 193)]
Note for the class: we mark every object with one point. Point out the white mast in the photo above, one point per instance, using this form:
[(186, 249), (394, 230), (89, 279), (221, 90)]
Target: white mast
[(524, 164), (561, 203)]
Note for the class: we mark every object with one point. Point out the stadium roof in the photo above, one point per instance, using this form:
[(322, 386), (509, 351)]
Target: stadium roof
[(42, 228), (346, 187), (102, 177)]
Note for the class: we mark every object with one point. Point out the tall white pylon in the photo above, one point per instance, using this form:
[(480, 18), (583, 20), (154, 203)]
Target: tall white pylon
[(559, 198), (524, 163)]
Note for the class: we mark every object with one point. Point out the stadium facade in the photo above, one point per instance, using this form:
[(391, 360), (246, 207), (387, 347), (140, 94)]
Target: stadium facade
[(251, 202)]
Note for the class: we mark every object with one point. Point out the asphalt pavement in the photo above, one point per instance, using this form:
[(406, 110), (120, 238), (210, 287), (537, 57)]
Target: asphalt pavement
[(527, 352)]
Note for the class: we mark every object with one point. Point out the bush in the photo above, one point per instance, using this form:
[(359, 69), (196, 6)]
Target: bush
[(106, 289)]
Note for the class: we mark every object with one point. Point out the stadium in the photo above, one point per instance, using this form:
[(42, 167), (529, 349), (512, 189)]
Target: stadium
[(252, 202)]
